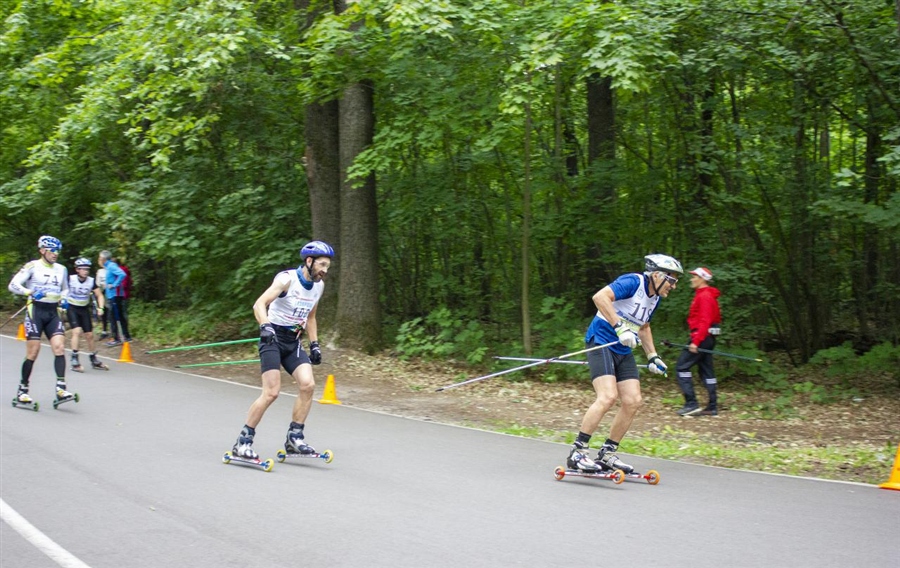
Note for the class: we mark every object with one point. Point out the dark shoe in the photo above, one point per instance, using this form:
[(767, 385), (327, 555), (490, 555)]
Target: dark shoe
[(688, 410), (104, 334), (113, 343), (708, 412)]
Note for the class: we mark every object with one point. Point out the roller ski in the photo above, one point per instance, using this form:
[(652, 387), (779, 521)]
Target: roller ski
[(76, 364), (243, 453), (607, 466), (63, 396), (24, 400), (296, 447)]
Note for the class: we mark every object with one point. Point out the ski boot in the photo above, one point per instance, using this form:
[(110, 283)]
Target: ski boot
[(63, 396), (579, 460), (23, 400), (295, 446), (242, 452), (96, 364), (76, 364), (608, 460)]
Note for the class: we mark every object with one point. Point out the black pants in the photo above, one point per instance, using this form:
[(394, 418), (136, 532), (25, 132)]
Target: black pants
[(120, 317), (704, 362)]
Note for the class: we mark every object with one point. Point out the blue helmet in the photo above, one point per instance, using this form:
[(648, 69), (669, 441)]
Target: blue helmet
[(48, 242), (315, 249)]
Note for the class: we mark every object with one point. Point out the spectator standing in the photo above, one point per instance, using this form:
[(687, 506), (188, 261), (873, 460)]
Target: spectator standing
[(114, 278), (704, 320)]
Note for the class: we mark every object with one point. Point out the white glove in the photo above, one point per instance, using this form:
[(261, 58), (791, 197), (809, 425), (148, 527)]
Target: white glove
[(627, 337), (656, 365)]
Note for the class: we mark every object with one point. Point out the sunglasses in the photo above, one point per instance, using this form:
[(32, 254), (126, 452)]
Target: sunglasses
[(53, 250), (670, 279)]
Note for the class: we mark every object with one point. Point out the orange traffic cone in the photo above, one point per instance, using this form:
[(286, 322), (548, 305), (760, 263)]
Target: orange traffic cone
[(894, 481), (125, 355), (21, 334), (329, 396)]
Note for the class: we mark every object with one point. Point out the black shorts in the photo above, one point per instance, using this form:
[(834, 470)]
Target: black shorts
[(80, 316), (41, 317), (604, 362), (285, 352)]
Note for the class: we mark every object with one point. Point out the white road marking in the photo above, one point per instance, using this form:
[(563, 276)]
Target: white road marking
[(41, 541)]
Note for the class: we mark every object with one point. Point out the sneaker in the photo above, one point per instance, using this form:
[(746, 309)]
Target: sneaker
[(579, 460), (113, 343), (688, 410), (607, 459), (104, 334), (708, 412)]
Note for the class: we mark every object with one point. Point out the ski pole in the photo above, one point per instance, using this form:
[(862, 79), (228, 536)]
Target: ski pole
[(722, 353), (534, 364), (14, 316), (202, 345), (217, 363), (567, 362)]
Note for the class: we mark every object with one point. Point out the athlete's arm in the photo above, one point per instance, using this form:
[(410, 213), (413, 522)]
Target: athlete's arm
[(646, 337), (17, 284), (261, 306), (312, 327), (603, 300)]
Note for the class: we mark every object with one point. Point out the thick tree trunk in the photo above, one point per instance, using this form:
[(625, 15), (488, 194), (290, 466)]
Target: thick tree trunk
[(359, 309)]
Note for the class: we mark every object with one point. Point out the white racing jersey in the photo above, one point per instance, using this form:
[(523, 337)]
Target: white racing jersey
[(80, 292), (38, 276), (292, 308)]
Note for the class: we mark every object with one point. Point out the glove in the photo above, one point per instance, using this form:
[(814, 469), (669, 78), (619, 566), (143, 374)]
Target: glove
[(656, 365), (38, 295), (627, 337), (315, 354), (267, 334), (64, 304)]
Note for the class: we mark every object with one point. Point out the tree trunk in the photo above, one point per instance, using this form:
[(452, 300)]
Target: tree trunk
[(359, 309), (526, 236)]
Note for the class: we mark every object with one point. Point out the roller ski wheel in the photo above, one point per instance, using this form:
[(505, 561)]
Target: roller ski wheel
[(651, 477), (59, 401), (282, 455), (98, 366), (33, 405), (617, 476), (265, 465)]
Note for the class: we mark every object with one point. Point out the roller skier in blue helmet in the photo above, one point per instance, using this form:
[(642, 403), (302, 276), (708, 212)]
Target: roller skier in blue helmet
[(285, 312)]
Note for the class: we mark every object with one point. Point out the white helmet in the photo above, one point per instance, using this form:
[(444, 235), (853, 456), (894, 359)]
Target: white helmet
[(83, 263), (663, 263)]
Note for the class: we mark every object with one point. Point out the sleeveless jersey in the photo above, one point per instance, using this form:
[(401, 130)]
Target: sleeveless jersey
[(292, 308), (80, 292), (633, 304), (38, 276)]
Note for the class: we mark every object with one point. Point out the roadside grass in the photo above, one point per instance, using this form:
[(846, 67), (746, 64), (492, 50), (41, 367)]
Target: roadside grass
[(863, 463)]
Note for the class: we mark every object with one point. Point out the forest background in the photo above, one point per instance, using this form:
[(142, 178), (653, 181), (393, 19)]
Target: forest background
[(481, 168)]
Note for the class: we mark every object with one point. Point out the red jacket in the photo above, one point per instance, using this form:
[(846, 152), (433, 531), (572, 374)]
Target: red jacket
[(703, 313)]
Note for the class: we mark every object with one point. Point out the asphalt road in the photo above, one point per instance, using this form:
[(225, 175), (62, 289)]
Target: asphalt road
[(132, 476)]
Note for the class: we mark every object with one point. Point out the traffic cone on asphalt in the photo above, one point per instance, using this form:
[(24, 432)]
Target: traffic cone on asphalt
[(20, 336), (894, 481), (125, 355), (329, 396)]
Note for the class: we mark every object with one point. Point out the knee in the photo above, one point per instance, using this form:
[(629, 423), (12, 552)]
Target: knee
[(307, 387), (632, 402), (605, 400), (269, 395)]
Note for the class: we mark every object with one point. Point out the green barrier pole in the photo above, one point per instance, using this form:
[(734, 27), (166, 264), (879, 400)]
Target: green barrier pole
[(202, 345), (217, 363)]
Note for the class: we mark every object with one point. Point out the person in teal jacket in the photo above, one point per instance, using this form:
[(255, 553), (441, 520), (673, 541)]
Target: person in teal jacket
[(114, 277)]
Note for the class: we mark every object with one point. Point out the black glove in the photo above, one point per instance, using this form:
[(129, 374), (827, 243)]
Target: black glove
[(267, 334), (315, 354)]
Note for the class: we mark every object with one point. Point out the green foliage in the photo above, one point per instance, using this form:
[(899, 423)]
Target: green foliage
[(441, 334)]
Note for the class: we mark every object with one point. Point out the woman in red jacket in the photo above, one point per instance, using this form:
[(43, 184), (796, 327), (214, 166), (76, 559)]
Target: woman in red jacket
[(703, 320)]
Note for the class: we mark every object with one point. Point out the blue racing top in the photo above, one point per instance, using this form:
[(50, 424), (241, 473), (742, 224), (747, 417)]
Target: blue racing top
[(633, 304)]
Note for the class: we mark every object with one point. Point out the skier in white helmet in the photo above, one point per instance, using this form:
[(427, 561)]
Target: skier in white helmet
[(624, 309)]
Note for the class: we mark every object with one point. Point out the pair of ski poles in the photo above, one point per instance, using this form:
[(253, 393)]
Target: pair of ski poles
[(561, 359)]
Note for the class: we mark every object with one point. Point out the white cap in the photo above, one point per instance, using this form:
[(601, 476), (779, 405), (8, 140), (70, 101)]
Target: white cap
[(703, 273)]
